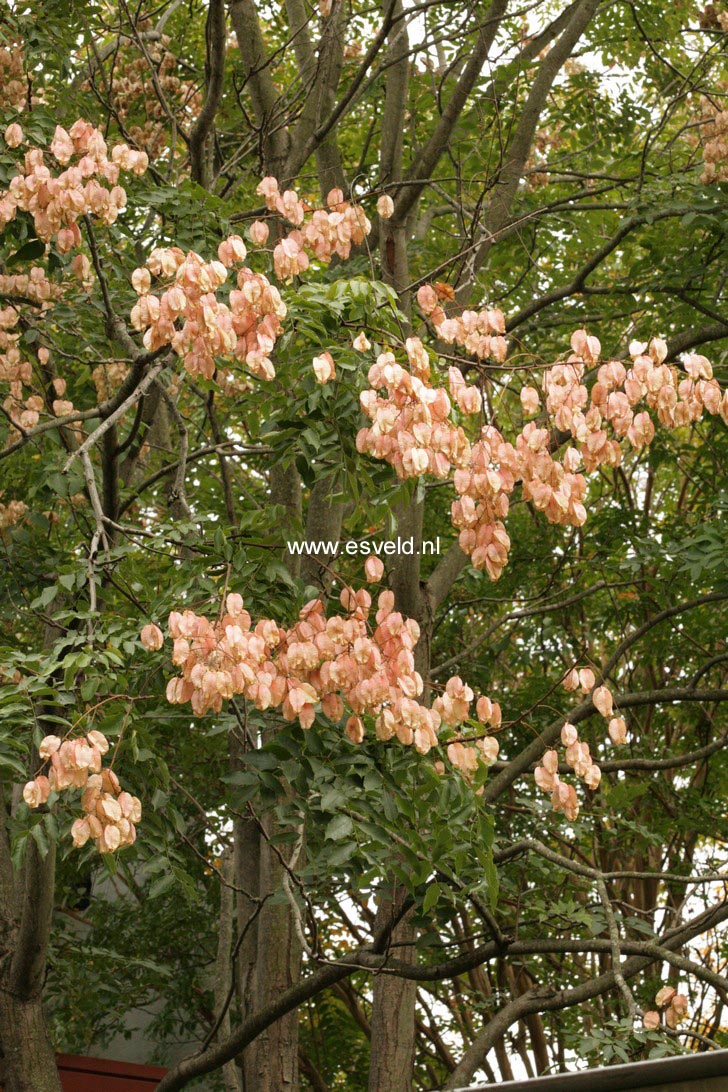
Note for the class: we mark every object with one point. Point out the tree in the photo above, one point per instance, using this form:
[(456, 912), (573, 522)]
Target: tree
[(287, 289)]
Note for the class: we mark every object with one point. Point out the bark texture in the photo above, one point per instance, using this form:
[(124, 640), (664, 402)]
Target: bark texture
[(393, 1009), (28, 1061), (26, 904)]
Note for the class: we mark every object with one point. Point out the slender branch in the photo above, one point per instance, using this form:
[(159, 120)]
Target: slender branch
[(469, 650), (327, 975), (688, 339), (655, 620), (673, 763), (520, 146), (215, 33), (530, 754), (178, 492), (428, 156), (614, 941), (576, 284), (138, 392), (299, 156), (176, 128), (259, 81), (549, 1000)]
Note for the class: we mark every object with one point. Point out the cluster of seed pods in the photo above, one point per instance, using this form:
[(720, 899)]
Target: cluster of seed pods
[(110, 814)]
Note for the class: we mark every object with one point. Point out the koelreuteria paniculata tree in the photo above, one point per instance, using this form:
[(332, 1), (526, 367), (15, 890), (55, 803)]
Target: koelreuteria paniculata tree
[(291, 293)]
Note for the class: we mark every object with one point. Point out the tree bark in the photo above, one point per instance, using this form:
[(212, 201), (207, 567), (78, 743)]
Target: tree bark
[(29, 1062), (271, 1062), (26, 909), (275, 139), (26, 901), (393, 1016), (269, 961), (232, 1077)]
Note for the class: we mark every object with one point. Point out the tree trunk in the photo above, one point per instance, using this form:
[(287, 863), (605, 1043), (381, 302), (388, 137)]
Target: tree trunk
[(268, 962), (29, 1063), (224, 970), (26, 899), (271, 1062), (270, 956), (26, 909), (393, 1016)]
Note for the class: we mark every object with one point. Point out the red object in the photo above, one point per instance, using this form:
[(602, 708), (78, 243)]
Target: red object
[(79, 1074)]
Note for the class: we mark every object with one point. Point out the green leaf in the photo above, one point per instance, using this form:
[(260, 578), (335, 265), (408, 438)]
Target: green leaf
[(341, 826), (46, 596), (28, 252), (38, 835), (432, 894), (161, 885)]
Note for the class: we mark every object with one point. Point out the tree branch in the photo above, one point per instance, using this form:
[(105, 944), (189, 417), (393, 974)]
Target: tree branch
[(520, 146), (215, 34), (263, 93), (534, 751), (427, 158), (544, 1000), (216, 1056), (576, 284)]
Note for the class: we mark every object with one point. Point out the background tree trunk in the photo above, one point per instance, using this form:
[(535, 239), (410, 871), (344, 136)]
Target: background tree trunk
[(393, 1015), (271, 1062)]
